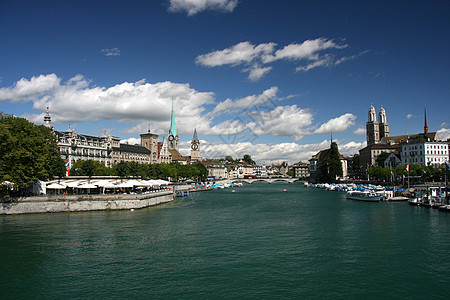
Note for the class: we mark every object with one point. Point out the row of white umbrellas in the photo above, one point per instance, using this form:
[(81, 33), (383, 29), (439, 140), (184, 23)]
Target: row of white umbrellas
[(108, 184)]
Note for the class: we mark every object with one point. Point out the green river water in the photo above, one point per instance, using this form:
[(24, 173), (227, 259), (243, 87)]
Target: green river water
[(256, 243)]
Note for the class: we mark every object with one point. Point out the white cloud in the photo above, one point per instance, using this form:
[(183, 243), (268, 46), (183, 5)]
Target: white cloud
[(360, 131), (245, 103), (257, 72), (75, 101), (268, 153), (111, 52), (290, 121), (243, 52), (307, 50), (131, 141), (444, 134), (339, 124), (192, 7), (409, 116), (257, 56), (25, 89)]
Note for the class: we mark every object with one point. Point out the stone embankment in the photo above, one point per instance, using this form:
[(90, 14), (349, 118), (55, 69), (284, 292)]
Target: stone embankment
[(77, 203)]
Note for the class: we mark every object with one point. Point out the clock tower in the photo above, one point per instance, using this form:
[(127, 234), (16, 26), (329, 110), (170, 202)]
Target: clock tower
[(195, 147)]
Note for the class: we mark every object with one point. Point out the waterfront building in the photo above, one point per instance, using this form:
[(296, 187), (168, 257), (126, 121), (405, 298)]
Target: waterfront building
[(260, 171), (74, 147), (301, 170), (423, 151), (317, 160), (399, 144)]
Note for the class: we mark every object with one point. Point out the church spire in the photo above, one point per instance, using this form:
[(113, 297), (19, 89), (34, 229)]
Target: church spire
[(48, 120), (173, 127), (425, 128)]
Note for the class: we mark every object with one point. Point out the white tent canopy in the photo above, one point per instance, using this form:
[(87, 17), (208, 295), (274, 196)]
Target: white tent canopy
[(56, 186)]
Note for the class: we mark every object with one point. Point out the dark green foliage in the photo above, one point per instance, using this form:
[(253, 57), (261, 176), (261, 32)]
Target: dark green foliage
[(331, 168), (381, 158), (89, 168), (28, 152), (248, 159)]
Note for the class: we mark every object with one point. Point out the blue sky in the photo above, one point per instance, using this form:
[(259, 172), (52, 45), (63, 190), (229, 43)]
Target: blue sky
[(272, 79)]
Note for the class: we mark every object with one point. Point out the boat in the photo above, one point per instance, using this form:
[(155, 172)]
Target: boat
[(398, 198), (368, 196)]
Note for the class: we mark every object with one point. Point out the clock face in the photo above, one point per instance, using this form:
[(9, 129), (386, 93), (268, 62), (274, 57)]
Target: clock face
[(194, 146), (170, 137)]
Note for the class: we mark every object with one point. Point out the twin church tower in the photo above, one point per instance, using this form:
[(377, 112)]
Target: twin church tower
[(376, 130)]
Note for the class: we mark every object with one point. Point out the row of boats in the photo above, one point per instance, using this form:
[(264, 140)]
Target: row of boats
[(364, 192), (431, 197)]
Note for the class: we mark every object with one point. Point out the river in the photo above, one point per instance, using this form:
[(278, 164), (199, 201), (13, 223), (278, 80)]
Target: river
[(256, 243)]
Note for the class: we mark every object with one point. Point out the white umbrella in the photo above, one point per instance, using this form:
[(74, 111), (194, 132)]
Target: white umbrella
[(56, 186), (153, 182), (125, 185), (163, 182), (73, 184), (101, 183), (87, 186), (110, 186)]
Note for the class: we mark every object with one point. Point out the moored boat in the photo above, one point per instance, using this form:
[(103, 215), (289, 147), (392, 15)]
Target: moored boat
[(368, 196)]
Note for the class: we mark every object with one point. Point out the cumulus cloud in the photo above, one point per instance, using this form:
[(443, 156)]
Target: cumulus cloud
[(444, 134), (75, 101), (192, 7), (256, 57), (25, 90), (246, 102), (269, 153), (338, 124), (360, 131), (289, 121), (257, 72), (111, 52)]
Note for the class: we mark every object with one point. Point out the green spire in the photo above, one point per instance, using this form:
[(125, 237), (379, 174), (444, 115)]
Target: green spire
[(173, 128)]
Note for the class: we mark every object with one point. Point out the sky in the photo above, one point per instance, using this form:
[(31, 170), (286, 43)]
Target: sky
[(272, 79)]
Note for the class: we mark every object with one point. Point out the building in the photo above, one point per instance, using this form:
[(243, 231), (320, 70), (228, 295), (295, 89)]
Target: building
[(393, 160), (410, 147), (195, 147), (109, 151), (317, 160), (260, 171), (301, 170), (423, 151)]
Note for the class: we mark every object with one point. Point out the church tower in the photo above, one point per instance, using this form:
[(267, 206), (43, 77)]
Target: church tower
[(48, 121), (172, 138), (150, 141), (372, 128), (383, 125), (195, 147), (425, 127)]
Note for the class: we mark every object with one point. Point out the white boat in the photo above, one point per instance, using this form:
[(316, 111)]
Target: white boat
[(368, 196)]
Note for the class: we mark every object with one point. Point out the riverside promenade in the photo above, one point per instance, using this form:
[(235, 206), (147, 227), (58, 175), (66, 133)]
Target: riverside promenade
[(78, 203)]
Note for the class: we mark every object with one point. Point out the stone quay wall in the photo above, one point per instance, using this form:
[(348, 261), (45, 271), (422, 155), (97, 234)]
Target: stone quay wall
[(78, 203)]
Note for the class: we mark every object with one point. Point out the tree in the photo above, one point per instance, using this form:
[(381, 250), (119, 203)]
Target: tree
[(202, 171), (248, 159), (331, 168), (381, 158), (28, 152)]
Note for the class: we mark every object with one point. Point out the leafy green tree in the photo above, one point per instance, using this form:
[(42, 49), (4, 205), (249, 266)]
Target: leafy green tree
[(28, 152), (248, 159), (202, 171), (90, 168), (121, 169)]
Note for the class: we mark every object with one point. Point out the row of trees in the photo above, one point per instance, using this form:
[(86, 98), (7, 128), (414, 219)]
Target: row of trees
[(427, 173), (28, 152), (246, 158), (174, 170)]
